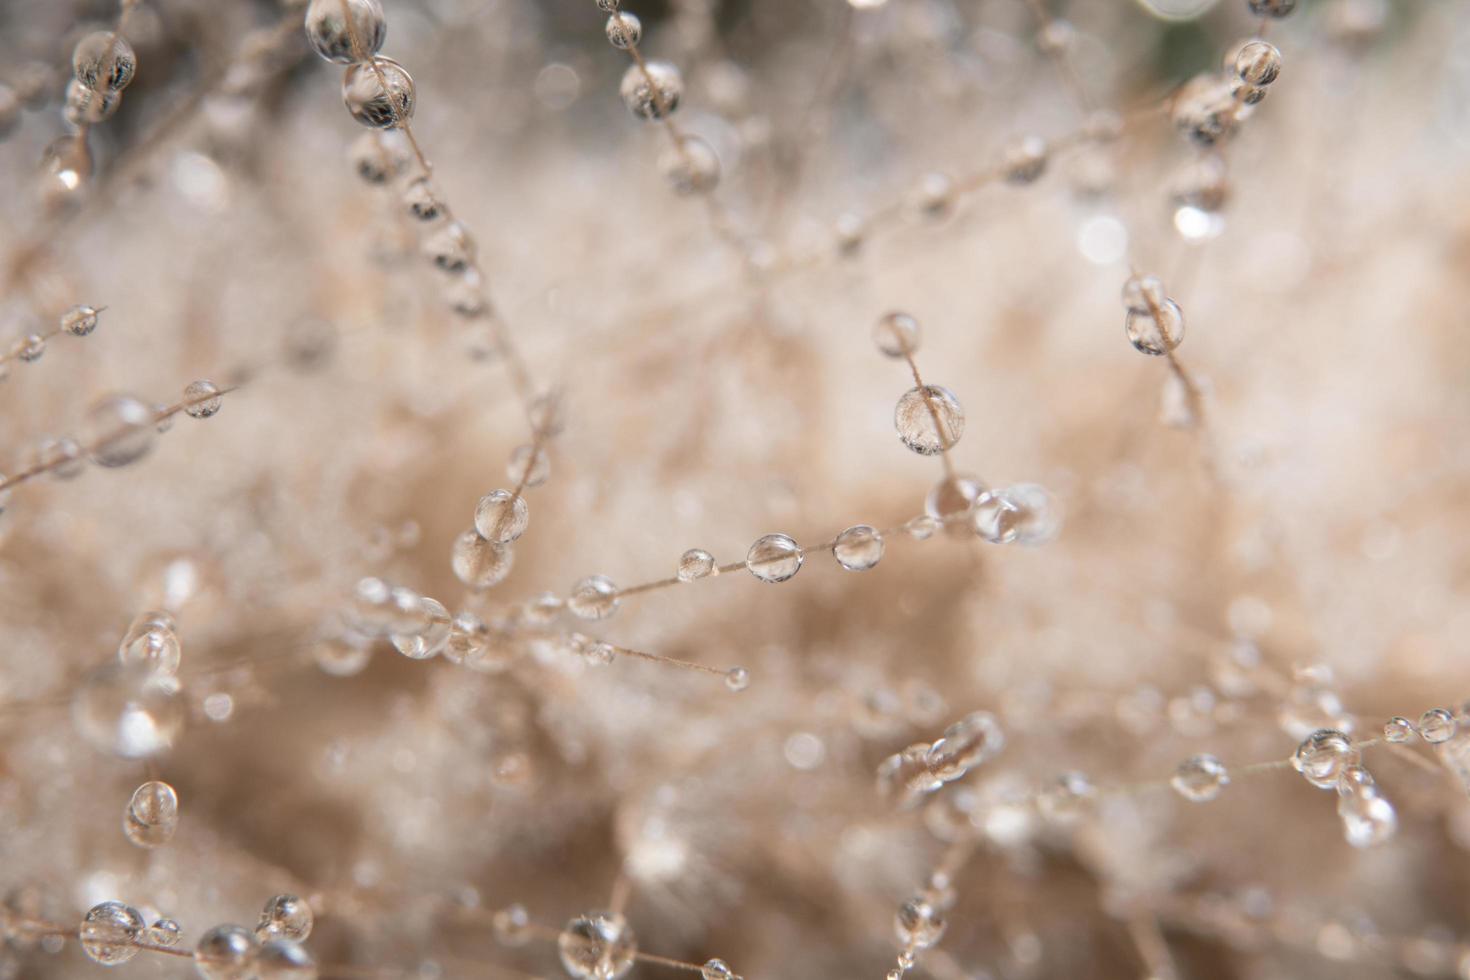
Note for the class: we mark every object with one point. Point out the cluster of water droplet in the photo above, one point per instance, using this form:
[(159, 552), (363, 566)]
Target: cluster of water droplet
[(908, 776), (1329, 760)]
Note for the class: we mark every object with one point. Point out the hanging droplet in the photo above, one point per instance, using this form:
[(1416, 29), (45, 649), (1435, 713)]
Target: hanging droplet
[(129, 710), (332, 34), (152, 640), (774, 558), (104, 60), (1322, 756), (226, 952), (1398, 729), (929, 420), (696, 563), (110, 933), (691, 167), (430, 638), (597, 946), (364, 94), (201, 399), (1436, 725), (152, 815), (165, 933), (283, 959), (478, 563), (1200, 778), (285, 917), (624, 30), (858, 548), (716, 970), (964, 745), (119, 430), (897, 335), (502, 516), (594, 597), (918, 923), (737, 679), (512, 925), (656, 100)]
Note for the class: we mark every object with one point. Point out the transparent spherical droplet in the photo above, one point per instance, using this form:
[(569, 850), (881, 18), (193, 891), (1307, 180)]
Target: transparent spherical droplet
[(965, 744), (283, 959), (594, 597), (953, 496), (61, 456), (918, 923), (1205, 109), (1025, 160), (858, 548), (1200, 778), (921, 528), (656, 100), (1436, 725), (716, 970), (1056, 36), (83, 106), (1322, 755), (104, 60), (79, 321), (929, 420), (364, 94), (118, 430), (696, 563), (774, 558), (421, 199), (1067, 797), (542, 608), (897, 335), (151, 640), (599, 654), (468, 637), (624, 30), (529, 465), (130, 710), (201, 399), (152, 815), (935, 195), (430, 639), (285, 917), (30, 348), (512, 925), (1367, 818), (737, 679), (1141, 292), (597, 946), (332, 34), (342, 654), (1272, 8), (165, 933), (451, 249), (905, 777), (110, 932), (478, 563), (1398, 729), (1258, 62), (691, 167), (1029, 515), (226, 952), (502, 516), (1157, 329), (849, 230), (378, 157)]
